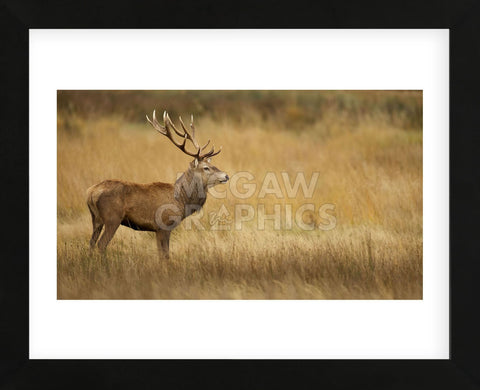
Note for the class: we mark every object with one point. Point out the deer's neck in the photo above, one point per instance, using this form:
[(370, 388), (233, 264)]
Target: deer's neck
[(190, 192)]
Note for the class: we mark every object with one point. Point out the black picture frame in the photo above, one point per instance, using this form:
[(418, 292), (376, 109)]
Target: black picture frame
[(460, 371)]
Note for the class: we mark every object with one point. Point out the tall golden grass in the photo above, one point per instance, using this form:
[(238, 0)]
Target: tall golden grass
[(370, 165)]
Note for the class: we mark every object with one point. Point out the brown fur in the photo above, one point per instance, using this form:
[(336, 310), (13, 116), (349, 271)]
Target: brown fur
[(115, 202)]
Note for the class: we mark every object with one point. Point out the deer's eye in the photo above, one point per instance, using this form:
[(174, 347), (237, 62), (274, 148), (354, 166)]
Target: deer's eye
[(206, 168)]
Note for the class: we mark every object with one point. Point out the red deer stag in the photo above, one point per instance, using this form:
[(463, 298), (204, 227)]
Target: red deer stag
[(157, 207)]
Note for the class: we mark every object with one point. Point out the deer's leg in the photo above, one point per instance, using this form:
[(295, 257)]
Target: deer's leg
[(110, 229), (163, 241), (96, 233), (97, 229)]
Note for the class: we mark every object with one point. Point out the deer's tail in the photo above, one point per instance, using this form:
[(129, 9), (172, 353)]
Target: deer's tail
[(92, 202)]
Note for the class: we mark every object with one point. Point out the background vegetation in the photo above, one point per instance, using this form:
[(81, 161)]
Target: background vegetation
[(367, 146)]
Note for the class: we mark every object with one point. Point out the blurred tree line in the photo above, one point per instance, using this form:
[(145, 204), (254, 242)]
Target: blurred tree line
[(291, 109)]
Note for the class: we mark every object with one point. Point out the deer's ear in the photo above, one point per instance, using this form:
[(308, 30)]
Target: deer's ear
[(195, 162), (209, 160)]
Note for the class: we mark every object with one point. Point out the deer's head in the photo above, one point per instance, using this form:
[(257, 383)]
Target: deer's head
[(201, 165), (209, 173)]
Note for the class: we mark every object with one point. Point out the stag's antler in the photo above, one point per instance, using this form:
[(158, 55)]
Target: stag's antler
[(186, 135)]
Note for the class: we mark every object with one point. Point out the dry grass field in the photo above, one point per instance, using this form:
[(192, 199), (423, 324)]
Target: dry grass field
[(365, 145)]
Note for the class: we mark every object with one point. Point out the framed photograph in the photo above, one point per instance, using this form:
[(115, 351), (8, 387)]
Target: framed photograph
[(240, 194), (314, 207)]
